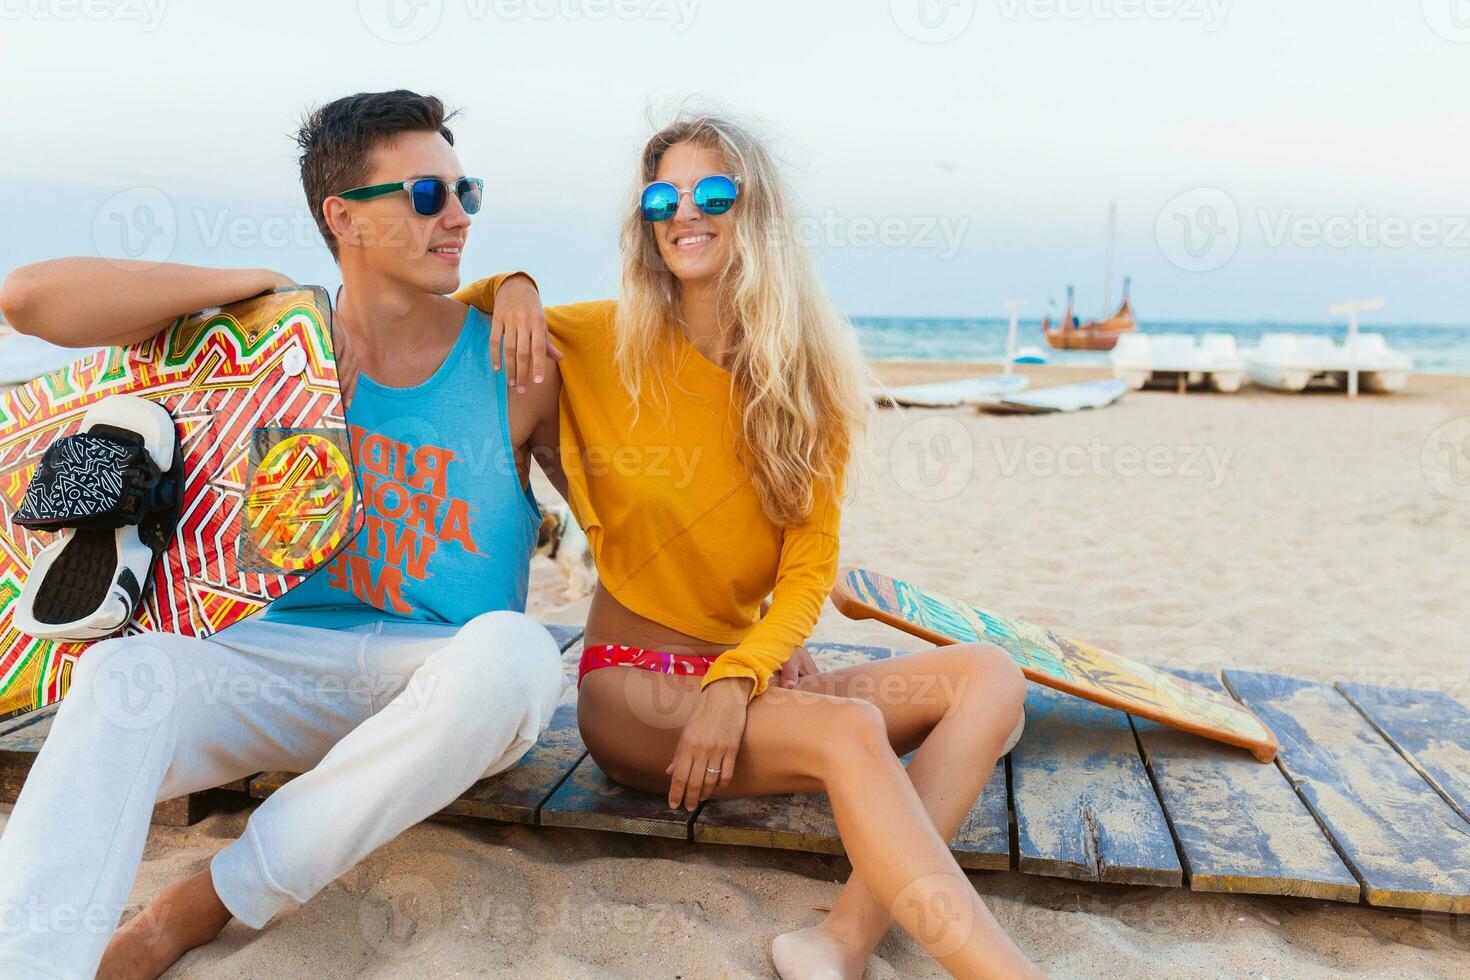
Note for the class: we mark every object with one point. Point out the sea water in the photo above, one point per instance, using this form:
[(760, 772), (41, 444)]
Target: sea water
[(1435, 349)]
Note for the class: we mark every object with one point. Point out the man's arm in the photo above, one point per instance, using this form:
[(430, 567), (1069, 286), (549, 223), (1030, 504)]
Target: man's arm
[(88, 302), (535, 428), (545, 441)]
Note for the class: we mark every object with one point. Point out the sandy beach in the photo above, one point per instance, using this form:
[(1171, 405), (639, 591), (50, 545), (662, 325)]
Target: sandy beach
[(1305, 535)]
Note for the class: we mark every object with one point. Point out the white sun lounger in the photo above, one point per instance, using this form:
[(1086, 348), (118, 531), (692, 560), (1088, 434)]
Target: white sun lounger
[(1176, 360), (1292, 362)]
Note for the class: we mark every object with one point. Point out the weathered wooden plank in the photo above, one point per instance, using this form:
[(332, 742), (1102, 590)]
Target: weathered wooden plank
[(182, 811), (1429, 728), (983, 842), (265, 783), (1240, 825), (16, 722), (804, 821), (564, 636), (1085, 808), (513, 796), (1407, 846), (22, 740), (795, 821), (516, 795), (241, 785), (589, 799)]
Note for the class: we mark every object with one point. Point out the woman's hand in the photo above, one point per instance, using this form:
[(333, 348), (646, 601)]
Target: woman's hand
[(518, 328), (707, 748), (798, 666)]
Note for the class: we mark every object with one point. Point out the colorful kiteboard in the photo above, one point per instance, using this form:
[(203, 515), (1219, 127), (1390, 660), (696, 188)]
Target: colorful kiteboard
[(1068, 665), (269, 493)]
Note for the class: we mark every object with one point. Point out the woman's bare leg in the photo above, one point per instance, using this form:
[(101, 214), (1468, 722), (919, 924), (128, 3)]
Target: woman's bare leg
[(958, 705), (803, 741)]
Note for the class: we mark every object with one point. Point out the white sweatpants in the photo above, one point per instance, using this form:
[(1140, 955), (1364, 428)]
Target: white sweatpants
[(389, 722)]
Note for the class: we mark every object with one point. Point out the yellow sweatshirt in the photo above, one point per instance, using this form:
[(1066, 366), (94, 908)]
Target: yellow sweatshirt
[(672, 519)]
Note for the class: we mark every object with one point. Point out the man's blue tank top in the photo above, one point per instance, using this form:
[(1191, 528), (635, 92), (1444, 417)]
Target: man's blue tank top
[(450, 529)]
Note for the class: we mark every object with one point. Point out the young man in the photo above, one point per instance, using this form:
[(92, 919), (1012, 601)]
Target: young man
[(392, 678)]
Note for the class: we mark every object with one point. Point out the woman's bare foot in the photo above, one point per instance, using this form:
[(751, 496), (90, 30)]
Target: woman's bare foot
[(187, 914), (816, 954)]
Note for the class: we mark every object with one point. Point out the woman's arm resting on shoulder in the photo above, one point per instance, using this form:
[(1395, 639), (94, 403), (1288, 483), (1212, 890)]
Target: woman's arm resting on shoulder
[(90, 302), (517, 328)]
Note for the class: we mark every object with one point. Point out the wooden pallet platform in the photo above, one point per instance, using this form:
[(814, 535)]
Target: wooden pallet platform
[(1366, 802)]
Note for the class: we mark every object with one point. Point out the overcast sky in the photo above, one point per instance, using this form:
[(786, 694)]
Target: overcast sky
[(1267, 157)]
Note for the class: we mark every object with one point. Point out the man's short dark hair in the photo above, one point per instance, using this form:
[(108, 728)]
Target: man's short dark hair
[(337, 141)]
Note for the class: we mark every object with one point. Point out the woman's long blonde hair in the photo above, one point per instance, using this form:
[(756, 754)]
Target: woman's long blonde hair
[(803, 388)]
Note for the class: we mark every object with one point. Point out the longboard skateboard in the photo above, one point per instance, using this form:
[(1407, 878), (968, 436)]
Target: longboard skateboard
[(269, 491), (1068, 665)]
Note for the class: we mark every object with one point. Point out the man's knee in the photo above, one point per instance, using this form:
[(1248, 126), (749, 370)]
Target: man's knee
[(512, 643), (500, 664)]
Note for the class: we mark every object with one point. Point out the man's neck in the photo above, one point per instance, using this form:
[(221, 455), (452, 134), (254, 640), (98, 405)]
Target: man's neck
[(377, 313)]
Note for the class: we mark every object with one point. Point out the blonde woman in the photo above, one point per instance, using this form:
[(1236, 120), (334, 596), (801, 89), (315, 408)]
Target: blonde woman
[(707, 420)]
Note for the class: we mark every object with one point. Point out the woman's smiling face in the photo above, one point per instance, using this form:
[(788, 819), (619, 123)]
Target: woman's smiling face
[(695, 246)]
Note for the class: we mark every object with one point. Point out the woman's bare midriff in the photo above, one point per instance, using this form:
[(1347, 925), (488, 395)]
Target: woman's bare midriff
[(611, 622)]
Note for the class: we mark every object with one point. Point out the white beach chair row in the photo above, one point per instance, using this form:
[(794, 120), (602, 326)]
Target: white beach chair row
[(1283, 361), (1293, 362), (1177, 360)]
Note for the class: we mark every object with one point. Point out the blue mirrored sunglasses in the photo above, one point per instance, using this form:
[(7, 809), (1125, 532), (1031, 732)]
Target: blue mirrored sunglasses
[(429, 194), (714, 194)]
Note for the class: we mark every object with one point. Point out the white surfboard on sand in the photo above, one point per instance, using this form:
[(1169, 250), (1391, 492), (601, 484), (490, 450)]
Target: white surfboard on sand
[(1060, 398), (965, 391)]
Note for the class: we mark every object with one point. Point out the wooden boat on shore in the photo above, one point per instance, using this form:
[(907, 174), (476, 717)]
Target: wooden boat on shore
[(1102, 334)]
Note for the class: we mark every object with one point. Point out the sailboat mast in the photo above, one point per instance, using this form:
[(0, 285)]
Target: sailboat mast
[(1108, 263)]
